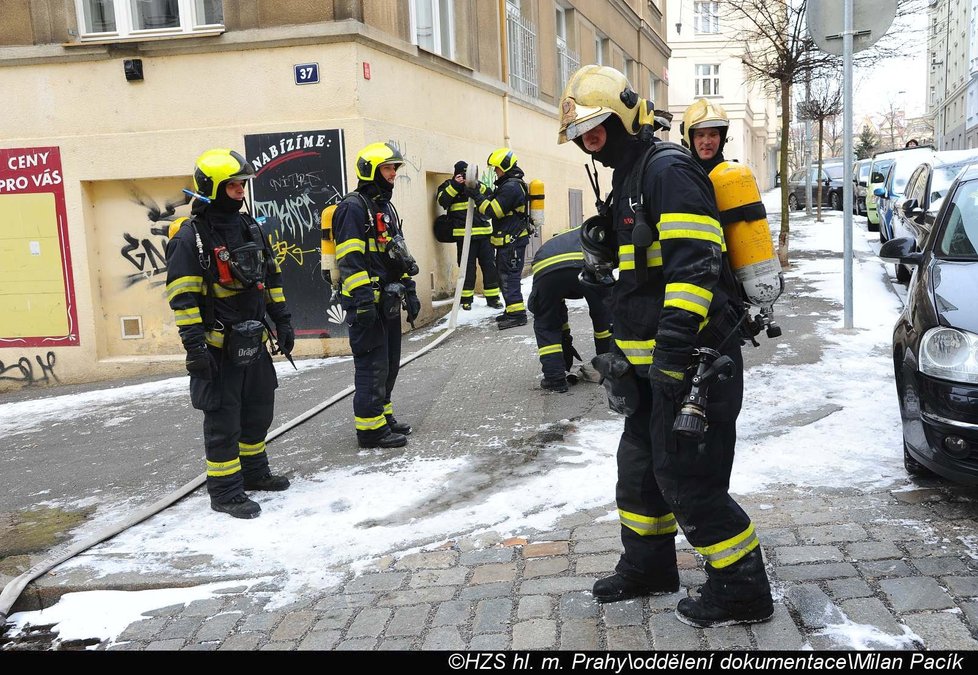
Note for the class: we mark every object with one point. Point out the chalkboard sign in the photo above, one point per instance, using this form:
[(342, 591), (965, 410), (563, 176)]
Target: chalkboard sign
[(298, 174)]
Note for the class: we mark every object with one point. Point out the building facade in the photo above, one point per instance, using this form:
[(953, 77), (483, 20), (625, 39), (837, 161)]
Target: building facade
[(952, 77), (109, 103)]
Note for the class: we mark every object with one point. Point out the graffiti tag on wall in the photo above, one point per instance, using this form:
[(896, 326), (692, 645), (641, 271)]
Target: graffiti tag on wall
[(23, 370), (147, 256)]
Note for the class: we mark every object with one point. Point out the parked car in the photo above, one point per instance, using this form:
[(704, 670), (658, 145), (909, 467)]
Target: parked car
[(904, 164), (860, 180), (935, 340), (878, 169), (831, 178), (915, 212)]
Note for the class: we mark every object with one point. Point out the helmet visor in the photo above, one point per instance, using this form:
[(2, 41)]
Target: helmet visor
[(587, 119), (708, 124)]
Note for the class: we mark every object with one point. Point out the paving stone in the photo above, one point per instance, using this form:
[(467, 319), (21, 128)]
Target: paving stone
[(873, 550), (598, 545), (381, 564), (846, 589), (514, 541), (669, 634), (404, 644), (451, 577), (294, 626), (417, 596), (545, 549), (181, 628), (875, 569), (577, 605), (408, 621), (626, 613), (918, 496), (535, 607), (666, 601), (489, 555), (247, 642), (346, 601), (579, 635), (208, 607), (535, 634), (910, 594), (443, 638), (963, 586), (201, 647), (794, 555), (143, 630), (941, 631), (497, 590), (492, 616), (320, 640), (598, 531), (278, 647), (692, 578), (369, 622), (452, 613), (545, 567), (489, 642), (169, 610), (829, 534), (493, 572), (334, 619), (727, 638), (357, 645), (427, 560), (573, 520), (936, 567), (816, 571), (171, 645), (598, 565), (630, 638), (814, 607), (872, 612), (555, 585), (244, 604), (780, 633), (263, 623), (127, 647), (372, 583), (686, 560), (218, 628), (772, 537), (970, 610)]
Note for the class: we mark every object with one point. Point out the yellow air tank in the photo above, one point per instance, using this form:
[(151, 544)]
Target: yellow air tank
[(536, 204), (175, 225), (331, 273), (747, 234)]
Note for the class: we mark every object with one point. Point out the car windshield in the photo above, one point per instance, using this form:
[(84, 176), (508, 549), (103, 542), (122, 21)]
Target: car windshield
[(941, 180), (835, 172), (863, 172), (880, 168), (959, 239)]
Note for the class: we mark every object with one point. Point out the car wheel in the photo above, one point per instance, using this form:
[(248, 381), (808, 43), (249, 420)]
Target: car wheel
[(835, 201), (913, 467), (793, 202), (902, 274)]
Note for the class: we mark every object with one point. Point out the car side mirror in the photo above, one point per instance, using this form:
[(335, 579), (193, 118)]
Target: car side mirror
[(901, 250), (879, 192), (910, 206)]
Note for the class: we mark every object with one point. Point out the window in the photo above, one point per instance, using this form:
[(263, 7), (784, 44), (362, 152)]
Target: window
[(706, 17), (599, 45), (101, 19), (708, 79), (522, 42), (433, 26), (567, 60), (653, 87)]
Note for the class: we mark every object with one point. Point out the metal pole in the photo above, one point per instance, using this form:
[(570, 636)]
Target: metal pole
[(847, 34), (808, 147)]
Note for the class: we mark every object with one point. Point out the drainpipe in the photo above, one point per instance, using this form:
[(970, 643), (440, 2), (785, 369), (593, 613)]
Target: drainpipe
[(504, 54)]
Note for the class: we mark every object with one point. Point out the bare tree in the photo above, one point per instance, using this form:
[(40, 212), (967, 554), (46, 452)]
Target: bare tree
[(833, 135), (824, 102)]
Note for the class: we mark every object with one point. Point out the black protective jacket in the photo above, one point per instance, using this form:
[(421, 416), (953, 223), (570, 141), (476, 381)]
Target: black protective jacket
[(453, 199), (508, 207)]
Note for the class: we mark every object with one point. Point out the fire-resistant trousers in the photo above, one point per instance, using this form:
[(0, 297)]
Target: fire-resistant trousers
[(481, 250), (376, 361), (509, 261)]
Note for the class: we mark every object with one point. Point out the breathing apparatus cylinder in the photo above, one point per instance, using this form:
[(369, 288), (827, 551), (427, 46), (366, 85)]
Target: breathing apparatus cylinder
[(536, 204), (748, 237), (175, 226), (330, 271)]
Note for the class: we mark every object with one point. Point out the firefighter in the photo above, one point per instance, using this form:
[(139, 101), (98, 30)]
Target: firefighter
[(704, 131), (222, 278), (375, 270), (507, 206), (452, 198), (673, 296), (556, 266)]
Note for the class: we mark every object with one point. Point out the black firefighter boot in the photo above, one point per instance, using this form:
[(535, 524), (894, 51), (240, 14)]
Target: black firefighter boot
[(402, 428), (512, 320), (618, 587), (737, 594), (267, 481), (238, 506), (388, 440)]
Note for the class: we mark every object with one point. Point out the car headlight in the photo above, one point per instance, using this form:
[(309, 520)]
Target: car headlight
[(950, 354)]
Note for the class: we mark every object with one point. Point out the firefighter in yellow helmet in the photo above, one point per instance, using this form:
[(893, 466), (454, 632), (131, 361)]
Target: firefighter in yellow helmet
[(508, 206), (673, 299), (704, 130), (222, 279), (375, 271)]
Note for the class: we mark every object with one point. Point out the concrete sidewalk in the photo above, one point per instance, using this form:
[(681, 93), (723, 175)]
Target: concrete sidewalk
[(900, 562)]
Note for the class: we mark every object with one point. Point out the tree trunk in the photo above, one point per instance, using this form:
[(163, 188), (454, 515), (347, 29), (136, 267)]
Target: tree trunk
[(783, 168)]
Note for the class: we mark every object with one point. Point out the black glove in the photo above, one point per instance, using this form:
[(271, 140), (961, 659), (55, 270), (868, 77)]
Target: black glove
[(285, 337), (363, 316), (567, 347), (413, 306), (201, 363), (668, 373), (473, 193)]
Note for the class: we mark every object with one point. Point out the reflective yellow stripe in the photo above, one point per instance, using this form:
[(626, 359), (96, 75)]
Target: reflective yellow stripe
[(214, 338), (602, 334), (626, 256), (184, 285), (458, 206), (276, 294), (349, 246), (638, 352), (388, 408), (221, 292), (690, 297), (565, 327), (648, 525), (496, 208), (460, 231), (450, 189), (728, 552), (468, 294), (553, 260), (223, 468), (690, 226), (550, 349), (369, 423), (515, 307), (187, 317), (491, 292), (250, 449), (355, 281)]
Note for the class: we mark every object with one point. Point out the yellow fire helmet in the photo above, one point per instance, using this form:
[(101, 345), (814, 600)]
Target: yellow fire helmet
[(216, 167), (503, 158), (373, 156), (592, 94), (700, 115)]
